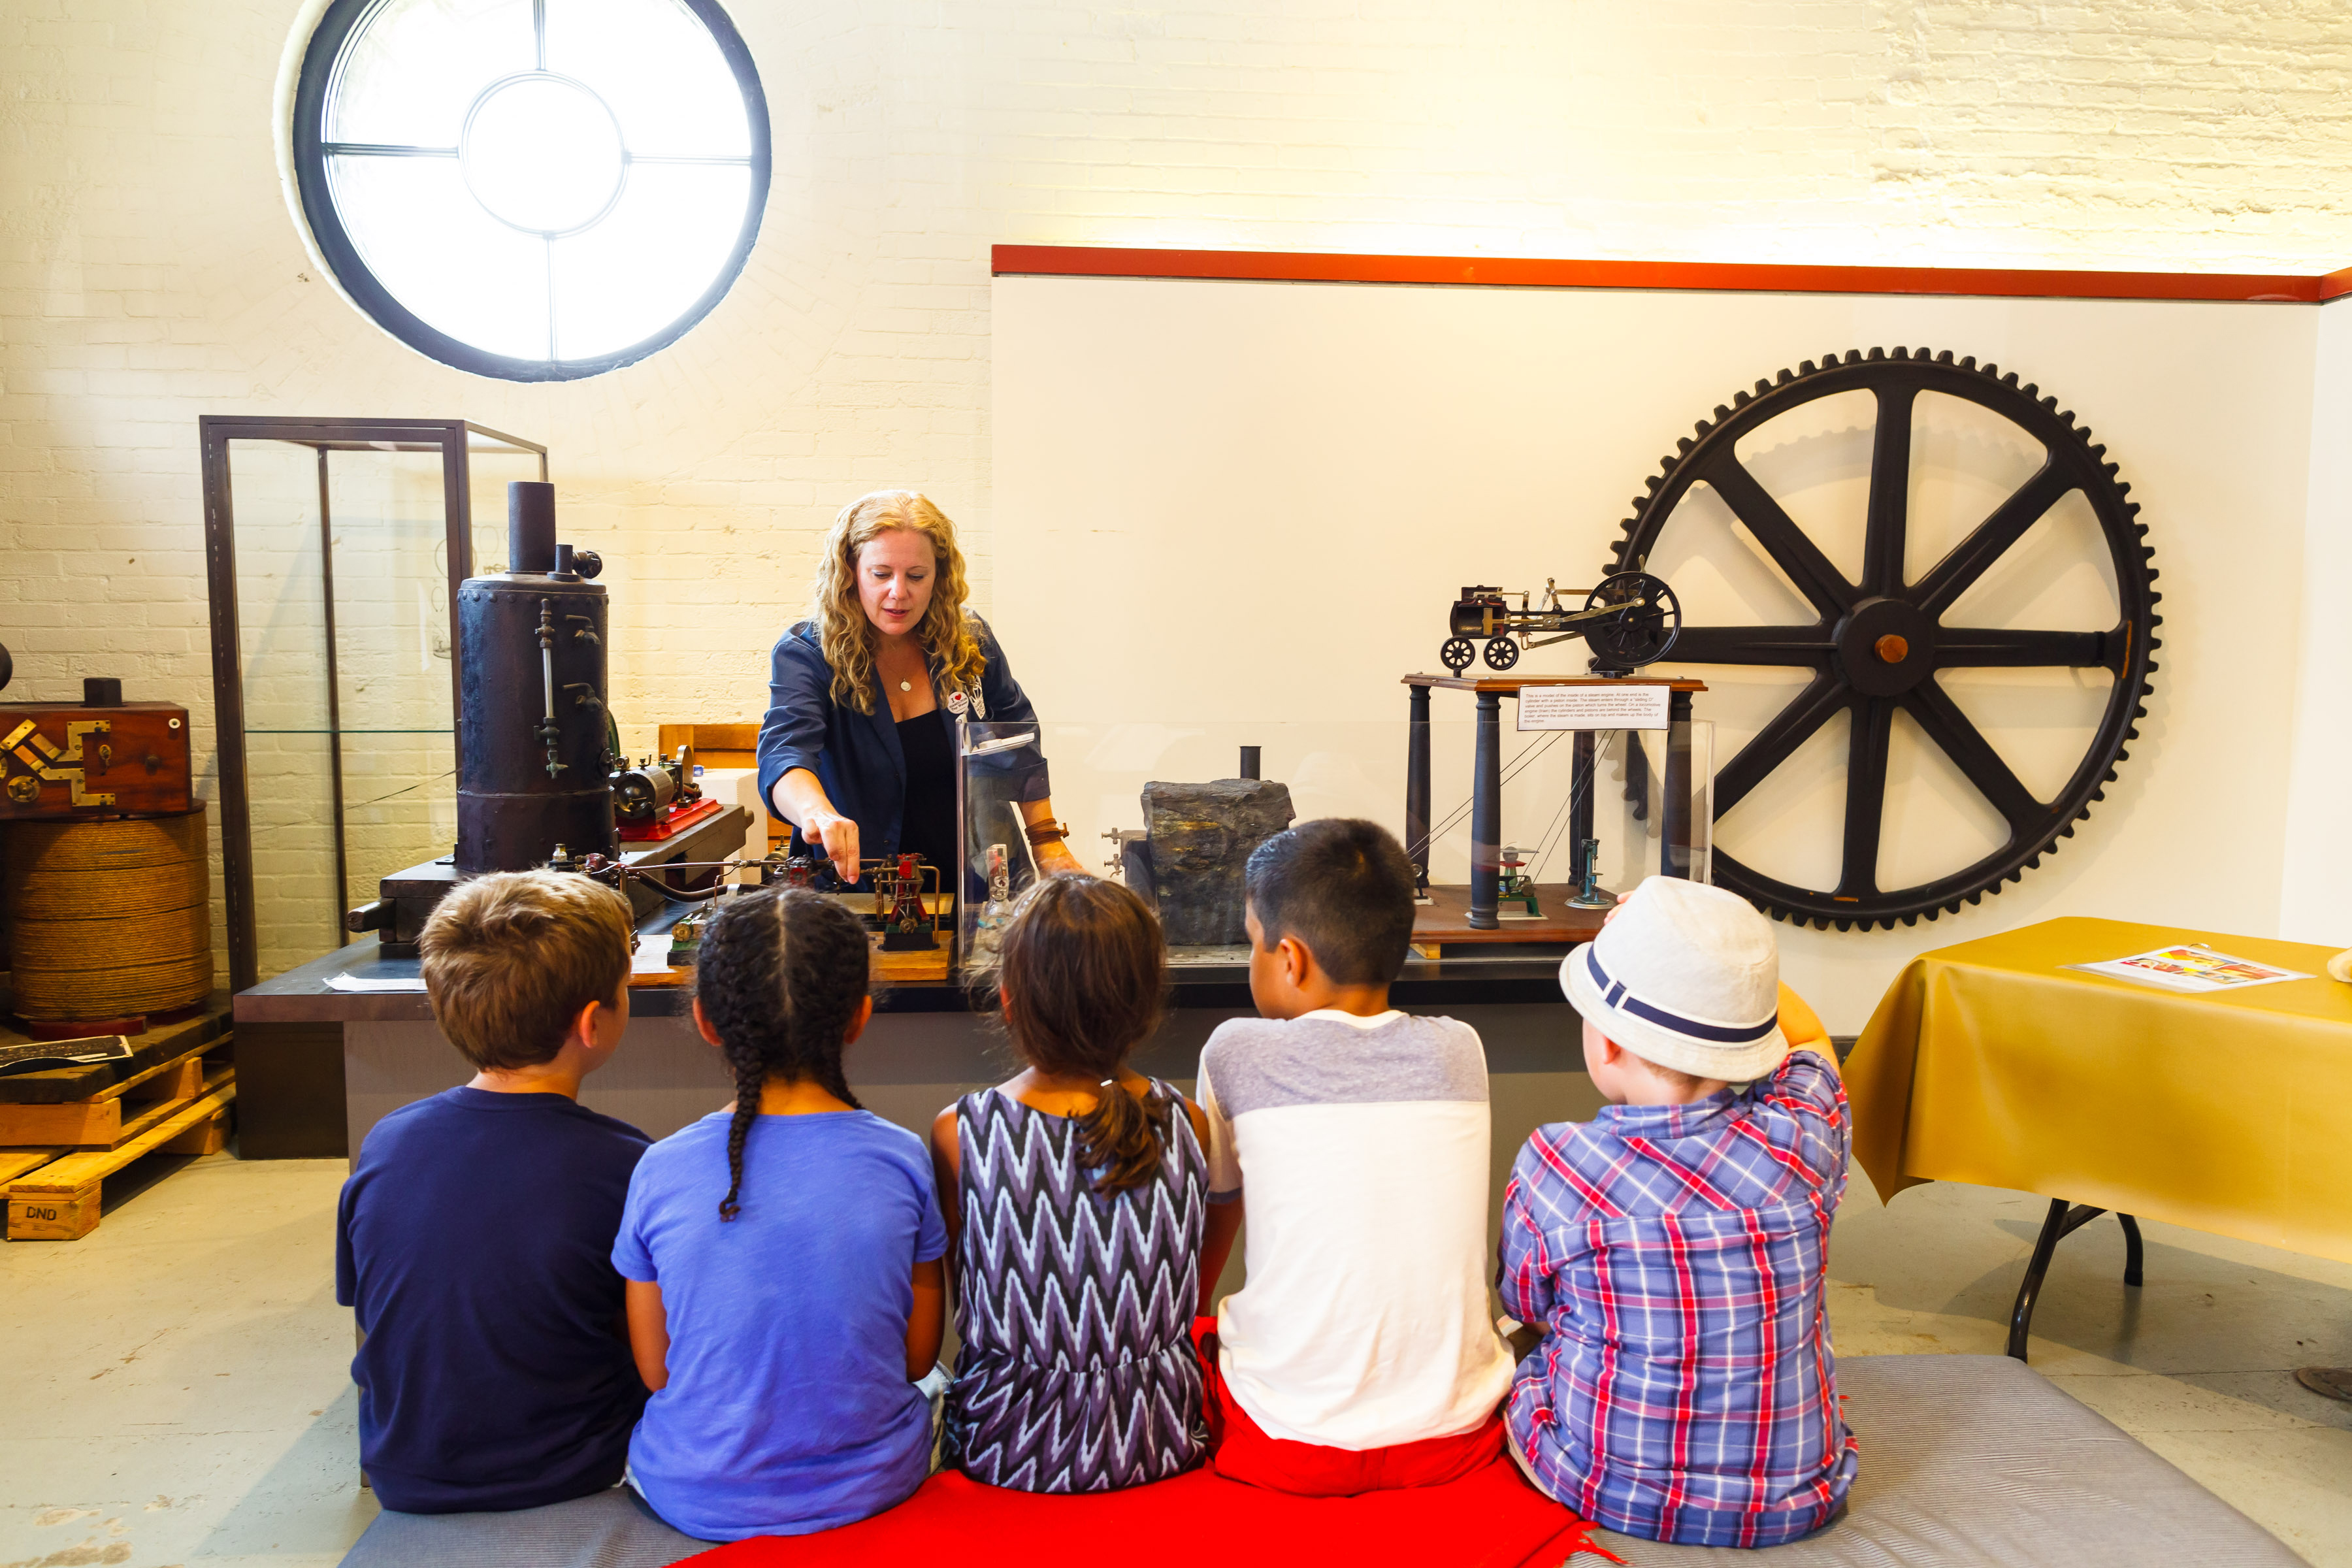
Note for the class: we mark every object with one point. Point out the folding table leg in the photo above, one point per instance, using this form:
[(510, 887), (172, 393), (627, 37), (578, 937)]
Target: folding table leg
[(2061, 1222)]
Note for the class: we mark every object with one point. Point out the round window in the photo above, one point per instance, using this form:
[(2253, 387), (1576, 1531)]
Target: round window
[(532, 189)]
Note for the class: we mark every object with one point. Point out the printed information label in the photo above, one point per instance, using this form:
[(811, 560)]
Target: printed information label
[(1593, 707)]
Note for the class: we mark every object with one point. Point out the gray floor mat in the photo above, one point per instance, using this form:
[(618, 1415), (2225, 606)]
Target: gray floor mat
[(1974, 1460)]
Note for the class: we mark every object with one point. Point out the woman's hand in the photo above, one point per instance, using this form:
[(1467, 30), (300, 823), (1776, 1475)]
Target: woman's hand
[(1053, 857), (838, 834)]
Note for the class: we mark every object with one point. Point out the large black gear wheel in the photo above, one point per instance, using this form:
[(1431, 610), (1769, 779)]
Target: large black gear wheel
[(1879, 643)]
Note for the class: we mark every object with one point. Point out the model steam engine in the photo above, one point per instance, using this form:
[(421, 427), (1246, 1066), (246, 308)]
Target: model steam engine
[(1628, 621)]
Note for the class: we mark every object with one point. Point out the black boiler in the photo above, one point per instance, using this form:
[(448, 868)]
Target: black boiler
[(532, 734)]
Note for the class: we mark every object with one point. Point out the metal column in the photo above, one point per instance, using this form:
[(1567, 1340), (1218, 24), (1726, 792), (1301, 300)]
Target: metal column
[(1416, 784), (1486, 815)]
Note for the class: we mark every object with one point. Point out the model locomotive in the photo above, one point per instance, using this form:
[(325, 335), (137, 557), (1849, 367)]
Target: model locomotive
[(1628, 621)]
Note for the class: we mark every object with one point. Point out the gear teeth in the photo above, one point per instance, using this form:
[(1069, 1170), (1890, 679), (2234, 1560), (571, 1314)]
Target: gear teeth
[(1853, 356), (1685, 443), (1807, 368), (2033, 392), (1877, 355), (1788, 376), (1944, 358), (1742, 399), (2010, 380), (1764, 386), (1652, 483), (1993, 369), (1902, 354), (1968, 363), (1721, 414), (1702, 428)]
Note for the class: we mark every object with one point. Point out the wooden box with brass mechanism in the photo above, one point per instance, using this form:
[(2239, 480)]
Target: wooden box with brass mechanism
[(99, 757)]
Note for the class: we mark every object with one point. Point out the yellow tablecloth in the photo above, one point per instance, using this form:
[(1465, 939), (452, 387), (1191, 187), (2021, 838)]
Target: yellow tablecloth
[(1990, 1063)]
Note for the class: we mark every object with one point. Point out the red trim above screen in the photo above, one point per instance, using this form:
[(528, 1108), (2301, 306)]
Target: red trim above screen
[(1508, 272)]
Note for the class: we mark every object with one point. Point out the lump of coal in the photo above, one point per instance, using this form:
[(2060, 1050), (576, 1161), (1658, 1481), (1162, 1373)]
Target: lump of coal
[(1202, 836)]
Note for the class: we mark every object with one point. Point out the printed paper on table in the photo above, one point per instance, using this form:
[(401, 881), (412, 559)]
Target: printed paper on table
[(2193, 967)]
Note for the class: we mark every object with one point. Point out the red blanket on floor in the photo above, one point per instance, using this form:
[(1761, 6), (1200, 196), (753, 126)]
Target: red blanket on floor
[(1491, 1519)]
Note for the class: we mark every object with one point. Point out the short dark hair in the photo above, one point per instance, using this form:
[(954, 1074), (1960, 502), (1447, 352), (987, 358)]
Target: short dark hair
[(1343, 889), (510, 959)]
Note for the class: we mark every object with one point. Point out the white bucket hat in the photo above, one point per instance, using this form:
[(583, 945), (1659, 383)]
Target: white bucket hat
[(1686, 977)]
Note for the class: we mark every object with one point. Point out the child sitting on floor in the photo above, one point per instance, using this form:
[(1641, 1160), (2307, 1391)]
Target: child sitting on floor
[(783, 1256), (1359, 1354), (1672, 1251), (472, 1234), (1075, 1193)]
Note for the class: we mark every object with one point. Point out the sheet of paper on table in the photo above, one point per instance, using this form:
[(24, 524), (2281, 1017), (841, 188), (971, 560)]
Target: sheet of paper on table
[(355, 983), (2193, 967), (652, 955)]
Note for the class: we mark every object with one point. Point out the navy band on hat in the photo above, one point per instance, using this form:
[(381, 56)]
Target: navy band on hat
[(1612, 992)]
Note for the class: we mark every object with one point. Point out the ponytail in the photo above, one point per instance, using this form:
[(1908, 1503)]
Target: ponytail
[(1084, 969), (779, 975), (1124, 1138)]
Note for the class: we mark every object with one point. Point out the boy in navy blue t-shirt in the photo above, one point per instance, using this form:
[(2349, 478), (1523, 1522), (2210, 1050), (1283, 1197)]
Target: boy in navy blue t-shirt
[(475, 1234)]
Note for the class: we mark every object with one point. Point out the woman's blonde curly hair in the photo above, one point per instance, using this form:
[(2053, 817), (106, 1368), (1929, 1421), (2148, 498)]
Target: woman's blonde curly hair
[(844, 634)]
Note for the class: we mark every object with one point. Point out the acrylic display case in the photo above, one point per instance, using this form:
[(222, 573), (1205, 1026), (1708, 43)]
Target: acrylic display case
[(1609, 786)]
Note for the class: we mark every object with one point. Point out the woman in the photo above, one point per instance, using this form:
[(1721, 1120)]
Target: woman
[(857, 750)]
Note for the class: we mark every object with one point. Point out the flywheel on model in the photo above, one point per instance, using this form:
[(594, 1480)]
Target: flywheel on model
[(1880, 640)]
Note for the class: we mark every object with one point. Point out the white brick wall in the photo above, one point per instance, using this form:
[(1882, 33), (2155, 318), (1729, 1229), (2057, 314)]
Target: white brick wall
[(150, 273)]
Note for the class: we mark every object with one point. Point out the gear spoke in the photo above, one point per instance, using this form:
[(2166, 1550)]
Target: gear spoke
[(1987, 646), (1774, 743), (1753, 645), (1962, 741), (1865, 798), (1890, 493), (1821, 584), (1957, 572)]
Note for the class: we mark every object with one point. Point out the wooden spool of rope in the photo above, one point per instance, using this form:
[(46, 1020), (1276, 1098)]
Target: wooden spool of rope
[(110, 920)]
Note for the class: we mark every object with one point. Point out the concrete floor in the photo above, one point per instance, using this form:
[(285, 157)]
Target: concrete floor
[(179, 1391)]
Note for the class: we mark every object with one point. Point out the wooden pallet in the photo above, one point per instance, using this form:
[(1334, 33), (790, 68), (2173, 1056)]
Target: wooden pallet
[(113, 1115), (59, 1198)]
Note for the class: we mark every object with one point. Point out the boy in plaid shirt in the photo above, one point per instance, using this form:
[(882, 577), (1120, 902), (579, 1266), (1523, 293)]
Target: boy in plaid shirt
[(1671, 1252)]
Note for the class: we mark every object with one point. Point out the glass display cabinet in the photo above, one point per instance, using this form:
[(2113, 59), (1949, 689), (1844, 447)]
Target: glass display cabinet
[(333, 552)]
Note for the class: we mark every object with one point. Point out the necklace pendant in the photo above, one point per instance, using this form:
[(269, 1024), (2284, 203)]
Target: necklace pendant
[(905, 686)]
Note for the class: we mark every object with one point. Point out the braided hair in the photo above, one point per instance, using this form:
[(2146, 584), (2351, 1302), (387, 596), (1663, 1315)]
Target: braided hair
[(1083, 970), (780, 976)]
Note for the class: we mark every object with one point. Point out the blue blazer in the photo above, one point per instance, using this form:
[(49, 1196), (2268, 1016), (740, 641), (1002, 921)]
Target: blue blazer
[(857, 756)]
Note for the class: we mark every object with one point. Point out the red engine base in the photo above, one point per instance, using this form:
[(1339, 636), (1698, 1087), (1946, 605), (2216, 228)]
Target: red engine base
[(674, 820)]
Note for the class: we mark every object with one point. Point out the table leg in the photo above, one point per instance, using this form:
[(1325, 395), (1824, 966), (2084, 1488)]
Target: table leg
[(2062, 1222), (1486, 815), (1416, 784)]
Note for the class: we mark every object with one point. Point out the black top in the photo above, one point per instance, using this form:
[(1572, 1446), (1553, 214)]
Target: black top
[(475, 1236), (928, 824)]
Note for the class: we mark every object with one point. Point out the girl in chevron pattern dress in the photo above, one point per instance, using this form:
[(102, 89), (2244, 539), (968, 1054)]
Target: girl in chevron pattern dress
[(1075, 1195)]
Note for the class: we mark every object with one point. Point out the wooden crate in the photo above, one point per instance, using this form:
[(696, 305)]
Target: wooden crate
[(62, 1200), (116, 1114)]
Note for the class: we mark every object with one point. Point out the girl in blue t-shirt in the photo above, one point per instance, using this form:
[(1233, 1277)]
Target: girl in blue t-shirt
[(783, 1260)]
